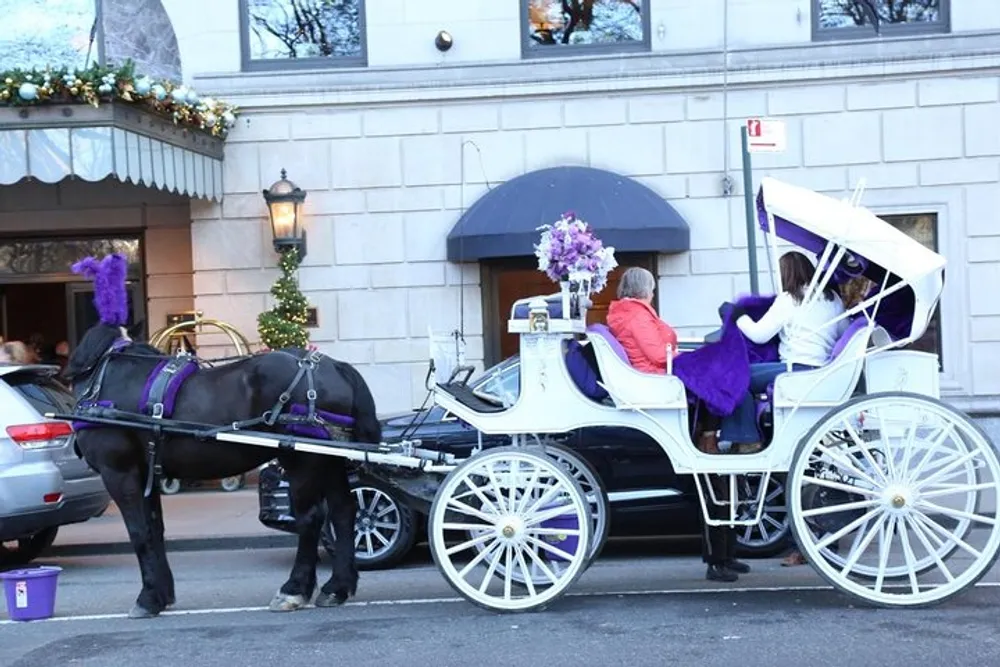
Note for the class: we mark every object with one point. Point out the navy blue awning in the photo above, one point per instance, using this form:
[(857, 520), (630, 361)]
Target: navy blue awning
[(622, 212)]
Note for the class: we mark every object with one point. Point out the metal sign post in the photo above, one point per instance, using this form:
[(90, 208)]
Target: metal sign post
[(758, 135)]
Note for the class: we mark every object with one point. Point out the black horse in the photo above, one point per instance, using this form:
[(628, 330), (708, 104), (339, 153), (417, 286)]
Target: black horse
[(108, 368)]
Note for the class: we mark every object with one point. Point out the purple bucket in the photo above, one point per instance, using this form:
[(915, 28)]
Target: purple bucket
[(569, 543), (31, 592)]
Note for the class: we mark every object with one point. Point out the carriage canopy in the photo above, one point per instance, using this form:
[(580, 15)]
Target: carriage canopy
[(876, 249)]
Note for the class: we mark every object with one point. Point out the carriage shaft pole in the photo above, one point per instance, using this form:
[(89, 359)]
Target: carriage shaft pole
[(748, 204)]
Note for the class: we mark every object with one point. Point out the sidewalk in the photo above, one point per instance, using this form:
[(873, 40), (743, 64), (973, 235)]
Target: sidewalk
[(194, 520)]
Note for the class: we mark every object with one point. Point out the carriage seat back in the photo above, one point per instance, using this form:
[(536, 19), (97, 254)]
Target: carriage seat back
[(628, 387), (831, 384)]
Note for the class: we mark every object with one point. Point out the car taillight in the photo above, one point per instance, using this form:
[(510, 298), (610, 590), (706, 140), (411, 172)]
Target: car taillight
[(40, 436)]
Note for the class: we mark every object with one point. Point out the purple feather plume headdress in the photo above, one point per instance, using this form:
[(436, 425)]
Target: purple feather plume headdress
[(110, 295)]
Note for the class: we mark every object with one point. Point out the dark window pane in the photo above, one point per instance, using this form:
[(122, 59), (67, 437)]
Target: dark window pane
[(281, 29), (58, 256), (922, 228), (568, 22), (855, 13)]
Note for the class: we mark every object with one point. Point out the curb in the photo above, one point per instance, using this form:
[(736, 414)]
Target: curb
[(234, 543)]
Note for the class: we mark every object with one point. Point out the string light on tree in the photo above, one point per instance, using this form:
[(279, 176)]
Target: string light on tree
[(284, 325)]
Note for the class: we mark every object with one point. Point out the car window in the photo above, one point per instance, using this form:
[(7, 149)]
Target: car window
[(44, 394)]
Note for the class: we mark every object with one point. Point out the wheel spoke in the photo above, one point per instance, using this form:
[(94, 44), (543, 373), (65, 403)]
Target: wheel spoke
[(834, 537), (847, 465), (949, 489), (494, 560), (884, 547), (471, 511), (846, 507), (840, 486), (957, 514), (968, 456), (865, 452), (528, 576), (934, 525), (508, 572), (856, 553), (922, 535), (475, 541), (550, 548), (911, 559), (546, 515), (480, 557), (932, 448), (541, 565), (538, 530)]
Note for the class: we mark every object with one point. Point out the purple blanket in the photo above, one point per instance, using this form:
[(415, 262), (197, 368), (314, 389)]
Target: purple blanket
[(719, 373)]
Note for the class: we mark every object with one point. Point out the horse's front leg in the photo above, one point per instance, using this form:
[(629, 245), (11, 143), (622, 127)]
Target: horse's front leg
[(155, 504), (125, 488), (342, 512), (304, 487)]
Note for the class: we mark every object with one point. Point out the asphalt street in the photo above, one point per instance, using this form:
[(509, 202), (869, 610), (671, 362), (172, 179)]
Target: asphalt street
[(631, 608)]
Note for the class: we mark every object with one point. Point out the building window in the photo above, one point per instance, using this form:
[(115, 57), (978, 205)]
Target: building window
[(855, 19), (287, 34), (561, 27), (922, 228)]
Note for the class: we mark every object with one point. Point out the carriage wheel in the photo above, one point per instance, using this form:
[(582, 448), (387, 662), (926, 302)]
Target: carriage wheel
[(892, 497), (526, 512), (597, 499)]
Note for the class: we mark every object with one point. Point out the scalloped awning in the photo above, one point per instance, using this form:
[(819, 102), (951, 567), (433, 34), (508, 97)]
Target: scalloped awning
[(56, 141)]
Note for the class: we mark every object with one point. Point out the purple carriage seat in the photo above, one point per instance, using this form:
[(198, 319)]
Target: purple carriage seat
[(604, 332)]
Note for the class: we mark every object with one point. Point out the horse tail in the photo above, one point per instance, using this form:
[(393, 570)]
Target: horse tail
[(367, 427)]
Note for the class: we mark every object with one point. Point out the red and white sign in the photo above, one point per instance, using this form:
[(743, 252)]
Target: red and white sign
[(765, 135)]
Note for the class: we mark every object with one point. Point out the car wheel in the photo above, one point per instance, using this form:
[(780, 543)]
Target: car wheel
[(771, 535), (230, 484), (169, 486), (384, 529), (14, 553)]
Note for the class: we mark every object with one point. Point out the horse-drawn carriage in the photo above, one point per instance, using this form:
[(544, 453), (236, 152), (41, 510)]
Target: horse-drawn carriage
[(892, 494)]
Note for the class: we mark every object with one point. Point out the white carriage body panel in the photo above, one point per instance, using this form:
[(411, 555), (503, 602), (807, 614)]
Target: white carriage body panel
[(630, 388), (903, 370), (828, 385)]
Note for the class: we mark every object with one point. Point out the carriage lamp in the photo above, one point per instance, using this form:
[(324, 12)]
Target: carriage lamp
[(284, 205)]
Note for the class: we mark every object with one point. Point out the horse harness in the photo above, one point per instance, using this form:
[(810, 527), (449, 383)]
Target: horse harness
[(163, 385)]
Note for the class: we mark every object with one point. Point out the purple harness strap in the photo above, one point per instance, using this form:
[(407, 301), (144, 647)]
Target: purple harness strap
[(316, 431), (160, 393)]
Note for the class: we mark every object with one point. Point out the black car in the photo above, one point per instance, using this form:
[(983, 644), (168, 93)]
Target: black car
[(647, 497)]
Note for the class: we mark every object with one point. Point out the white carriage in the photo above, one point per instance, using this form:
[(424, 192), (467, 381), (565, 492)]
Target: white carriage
[(891, 494)]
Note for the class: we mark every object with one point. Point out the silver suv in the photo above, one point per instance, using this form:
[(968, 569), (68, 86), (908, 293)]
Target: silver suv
[(43, 483)]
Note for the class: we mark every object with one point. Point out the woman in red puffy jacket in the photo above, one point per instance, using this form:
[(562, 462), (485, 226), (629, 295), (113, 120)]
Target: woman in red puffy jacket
[(636, 325), (645, 337)]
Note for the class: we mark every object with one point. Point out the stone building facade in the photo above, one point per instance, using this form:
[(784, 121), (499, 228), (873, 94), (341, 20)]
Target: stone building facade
[(396, 139)]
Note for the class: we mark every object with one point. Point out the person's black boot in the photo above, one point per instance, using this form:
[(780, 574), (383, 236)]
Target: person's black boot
[(737, 566), (720, 573)]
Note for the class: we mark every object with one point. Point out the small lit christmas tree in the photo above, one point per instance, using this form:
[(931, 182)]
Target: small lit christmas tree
[(284, 325)]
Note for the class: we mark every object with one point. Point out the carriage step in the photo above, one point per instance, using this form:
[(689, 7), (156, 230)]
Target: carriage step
[(467, 397)]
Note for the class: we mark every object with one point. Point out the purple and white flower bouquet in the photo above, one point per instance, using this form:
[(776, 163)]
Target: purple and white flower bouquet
[(568, 251)]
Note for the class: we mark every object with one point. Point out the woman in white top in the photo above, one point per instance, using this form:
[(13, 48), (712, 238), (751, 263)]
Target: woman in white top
[(805, 340)]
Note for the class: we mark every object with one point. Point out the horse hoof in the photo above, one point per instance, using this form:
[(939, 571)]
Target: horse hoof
[(282, 602), (331, 599), (140, 612)]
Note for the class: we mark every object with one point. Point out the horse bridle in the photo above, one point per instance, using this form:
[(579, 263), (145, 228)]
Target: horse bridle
[(92, 387)]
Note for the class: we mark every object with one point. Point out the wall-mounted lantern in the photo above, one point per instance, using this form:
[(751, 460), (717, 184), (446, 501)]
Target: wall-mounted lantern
[(284, 205)]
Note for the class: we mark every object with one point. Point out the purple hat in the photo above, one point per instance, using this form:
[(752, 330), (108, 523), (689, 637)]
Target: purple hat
[(110, 296)]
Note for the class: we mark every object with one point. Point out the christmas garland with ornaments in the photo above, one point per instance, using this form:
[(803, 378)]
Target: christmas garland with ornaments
[(108, 83)]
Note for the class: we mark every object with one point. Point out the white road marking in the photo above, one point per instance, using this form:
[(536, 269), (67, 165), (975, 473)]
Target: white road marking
[(419, 601)]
